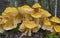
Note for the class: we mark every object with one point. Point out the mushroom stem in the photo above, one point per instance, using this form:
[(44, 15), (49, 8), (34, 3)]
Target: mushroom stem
[(15, 23), (29, 33), (37, 21)]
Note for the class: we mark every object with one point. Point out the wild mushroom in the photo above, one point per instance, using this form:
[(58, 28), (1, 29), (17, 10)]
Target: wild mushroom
[(47, 25), (36, 14), (10, 14), (12, 11), (28, 26), (25, 11), (36, 5), (54, 21)]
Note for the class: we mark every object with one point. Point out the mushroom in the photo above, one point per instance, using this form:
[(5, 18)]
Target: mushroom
[(25, 11), (28, 26), (36, 5), (11, 13), (54, 21), (36, 14), (47, 25)]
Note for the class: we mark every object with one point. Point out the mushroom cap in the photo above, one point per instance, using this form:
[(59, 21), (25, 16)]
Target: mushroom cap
[(36, 5), (57, 28), (36, 15), (44, 13), (47, 22), (25, 9), (30, 24), (12, 11), (55, 19)]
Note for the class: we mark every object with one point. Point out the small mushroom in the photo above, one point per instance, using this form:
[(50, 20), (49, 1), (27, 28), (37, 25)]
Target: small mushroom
[(47, 25), (36, 5), (28, 26), (55, 19), (11, 11), (25, 9)]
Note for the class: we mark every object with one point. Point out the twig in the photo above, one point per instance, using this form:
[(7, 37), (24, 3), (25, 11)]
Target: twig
[(23, 34)]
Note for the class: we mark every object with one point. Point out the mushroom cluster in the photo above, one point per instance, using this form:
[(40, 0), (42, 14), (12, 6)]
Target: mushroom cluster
[(31, 19)]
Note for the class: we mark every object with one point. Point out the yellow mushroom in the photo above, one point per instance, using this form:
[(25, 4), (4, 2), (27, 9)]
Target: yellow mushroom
[(36, 5), (55, 19), (28, 26), (25, 9), (11, 11), (10, 24), (47, 25), (36, 14)]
